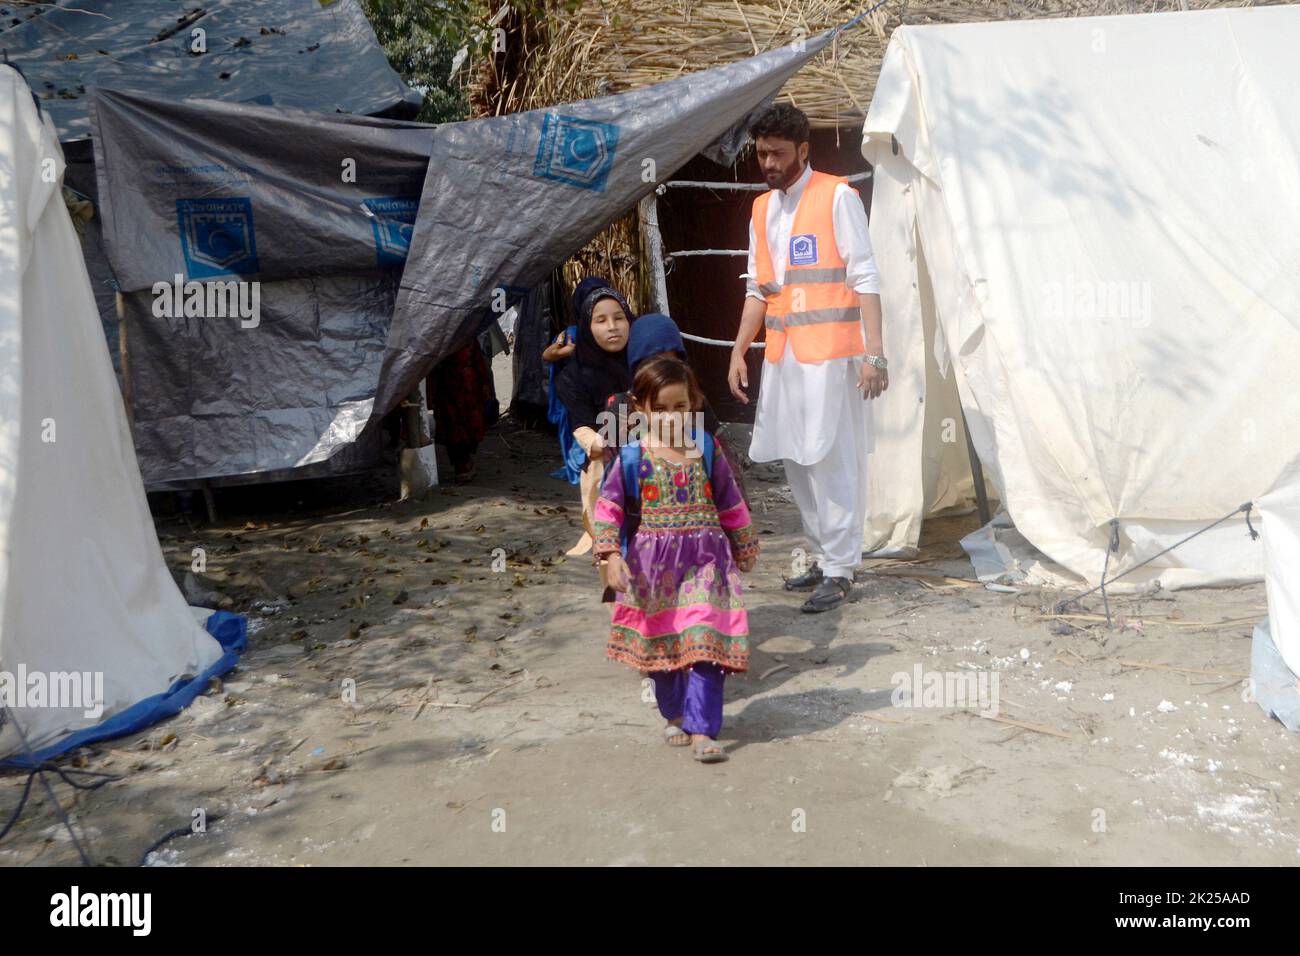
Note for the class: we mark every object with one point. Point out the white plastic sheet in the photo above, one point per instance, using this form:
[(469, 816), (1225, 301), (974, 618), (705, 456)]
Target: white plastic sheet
[(1092, 221), (1281, 536)]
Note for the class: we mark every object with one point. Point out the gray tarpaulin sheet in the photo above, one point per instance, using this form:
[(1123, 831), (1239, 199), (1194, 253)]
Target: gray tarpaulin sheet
[(509, 198), (213, 190), (318, 55), (533, 332), (305, 54), (223, 191)]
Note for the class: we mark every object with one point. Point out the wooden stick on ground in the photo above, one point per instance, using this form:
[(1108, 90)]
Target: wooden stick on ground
[(496, 691), (1037, 728), (1149, 665), (883, 719)]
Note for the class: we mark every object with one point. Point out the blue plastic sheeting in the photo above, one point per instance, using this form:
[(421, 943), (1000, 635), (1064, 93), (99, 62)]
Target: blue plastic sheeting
[(231, 632), (1276, 689)]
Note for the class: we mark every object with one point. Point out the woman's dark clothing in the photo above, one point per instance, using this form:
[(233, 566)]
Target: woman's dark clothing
[(459, 392)]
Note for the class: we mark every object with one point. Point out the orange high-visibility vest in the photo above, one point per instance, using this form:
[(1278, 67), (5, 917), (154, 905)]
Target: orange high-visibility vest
[(814, 308)]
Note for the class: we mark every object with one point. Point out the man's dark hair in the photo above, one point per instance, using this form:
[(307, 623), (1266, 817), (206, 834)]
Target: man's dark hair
[(782, 121)]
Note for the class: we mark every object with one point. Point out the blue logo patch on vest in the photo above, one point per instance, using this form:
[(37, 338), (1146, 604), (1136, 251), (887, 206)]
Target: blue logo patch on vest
[(392, 219), (217, 236), (803, 250), (576, 151)]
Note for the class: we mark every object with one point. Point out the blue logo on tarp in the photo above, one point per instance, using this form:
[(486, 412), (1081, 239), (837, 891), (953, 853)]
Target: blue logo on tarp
[(576, 151), (393, 221), (803, 250), (217, 236)]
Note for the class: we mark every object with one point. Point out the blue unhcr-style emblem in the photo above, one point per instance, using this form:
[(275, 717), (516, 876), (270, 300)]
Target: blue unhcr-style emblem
[(576, 151), (803, 250), (393, 221), (217, 236)]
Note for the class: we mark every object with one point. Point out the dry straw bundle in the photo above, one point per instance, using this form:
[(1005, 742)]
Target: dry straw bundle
[(603, 47), (611, 46)]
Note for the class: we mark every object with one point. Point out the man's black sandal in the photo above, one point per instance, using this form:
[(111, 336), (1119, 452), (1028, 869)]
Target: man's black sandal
[(830, 594), (806, 581)]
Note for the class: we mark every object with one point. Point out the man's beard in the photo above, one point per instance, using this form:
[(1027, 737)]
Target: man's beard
[(789, 176)]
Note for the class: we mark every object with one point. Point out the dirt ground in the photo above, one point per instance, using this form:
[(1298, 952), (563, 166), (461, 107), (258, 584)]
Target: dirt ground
[(487, 726)]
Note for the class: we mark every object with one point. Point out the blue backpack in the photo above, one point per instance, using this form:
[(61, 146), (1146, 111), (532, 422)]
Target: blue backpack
[(630, 459)]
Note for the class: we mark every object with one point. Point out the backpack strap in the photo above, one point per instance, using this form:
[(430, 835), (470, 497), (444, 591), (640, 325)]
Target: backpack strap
[(705, 441), (629, 457)]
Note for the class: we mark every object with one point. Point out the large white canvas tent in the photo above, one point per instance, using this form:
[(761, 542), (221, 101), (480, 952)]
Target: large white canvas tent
[(1088, 226), (1086, 233), (83, 587)]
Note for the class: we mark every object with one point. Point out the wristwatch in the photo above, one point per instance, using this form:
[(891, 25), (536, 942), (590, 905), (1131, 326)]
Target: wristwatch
[(877, 360)]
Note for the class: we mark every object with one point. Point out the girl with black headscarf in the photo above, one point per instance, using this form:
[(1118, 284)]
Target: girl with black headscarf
[(557, 356), (596, 372)]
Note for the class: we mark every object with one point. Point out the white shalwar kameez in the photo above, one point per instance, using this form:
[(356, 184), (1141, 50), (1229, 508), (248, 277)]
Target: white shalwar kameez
[(812, 416)]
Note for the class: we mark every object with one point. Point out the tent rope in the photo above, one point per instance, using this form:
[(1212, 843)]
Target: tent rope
[(1112, 546), (168, 836), (63, 773), (860, 17), (38, 770), (1254, 535)]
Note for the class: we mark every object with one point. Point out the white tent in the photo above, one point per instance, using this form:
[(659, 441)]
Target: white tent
[(1275, 656), (83, 587), (1087, 230)]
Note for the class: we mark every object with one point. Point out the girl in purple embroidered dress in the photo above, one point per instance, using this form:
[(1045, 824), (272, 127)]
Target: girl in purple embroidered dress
[(679, 616)]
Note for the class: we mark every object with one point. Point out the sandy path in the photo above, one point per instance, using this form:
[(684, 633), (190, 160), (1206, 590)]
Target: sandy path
[(487, 727)]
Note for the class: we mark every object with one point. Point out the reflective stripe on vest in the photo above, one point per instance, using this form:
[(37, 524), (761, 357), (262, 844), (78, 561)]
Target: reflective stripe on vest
[(814, 309)]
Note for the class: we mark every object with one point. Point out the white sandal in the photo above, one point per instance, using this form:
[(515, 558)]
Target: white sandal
[(698, 751), (675, 730)]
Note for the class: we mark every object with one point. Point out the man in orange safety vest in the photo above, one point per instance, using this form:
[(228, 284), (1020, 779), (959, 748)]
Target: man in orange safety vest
[(812, 284)]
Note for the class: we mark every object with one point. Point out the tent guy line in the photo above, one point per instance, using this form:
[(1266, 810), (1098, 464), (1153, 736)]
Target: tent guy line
[(1114, 546)]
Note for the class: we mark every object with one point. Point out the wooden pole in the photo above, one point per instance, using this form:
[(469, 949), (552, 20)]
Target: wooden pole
[(209, 501), (124, 353), (413, 412), (652, 241)]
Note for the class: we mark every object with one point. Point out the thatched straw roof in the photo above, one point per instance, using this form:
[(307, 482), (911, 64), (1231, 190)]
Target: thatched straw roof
[(610, 46)]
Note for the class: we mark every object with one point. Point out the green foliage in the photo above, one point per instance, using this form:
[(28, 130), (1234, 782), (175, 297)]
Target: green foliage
[(422, 37)]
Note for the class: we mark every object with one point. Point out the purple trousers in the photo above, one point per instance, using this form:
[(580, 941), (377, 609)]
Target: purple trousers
[(693, 694)]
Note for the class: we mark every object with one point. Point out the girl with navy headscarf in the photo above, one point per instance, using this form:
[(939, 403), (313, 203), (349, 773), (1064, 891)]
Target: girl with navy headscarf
[(596, 371), (557, 356)]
